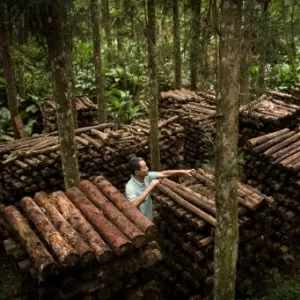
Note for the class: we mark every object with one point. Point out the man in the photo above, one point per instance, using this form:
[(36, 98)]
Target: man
[(142, 182)]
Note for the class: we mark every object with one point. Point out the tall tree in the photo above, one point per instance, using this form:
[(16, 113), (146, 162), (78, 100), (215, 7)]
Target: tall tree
[(69, 52), (176, 39), (262, 40), (153, 87), (8, 70), (246, 54), (195, 41), (106, 21), (226, 168), (52, 18), (95, 13)]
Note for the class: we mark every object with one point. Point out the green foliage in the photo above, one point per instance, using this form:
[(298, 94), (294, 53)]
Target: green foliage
[(6, 133), (121, 106)]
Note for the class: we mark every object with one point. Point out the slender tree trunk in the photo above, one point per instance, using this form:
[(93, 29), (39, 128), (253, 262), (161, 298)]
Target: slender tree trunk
[(53, 24), (226, 239), (195, 42), (98, 62), (69, 50), (246, 53), (9, 74), (262, 49), (119, 28), (154, 134), (176, 39), (107, 29)]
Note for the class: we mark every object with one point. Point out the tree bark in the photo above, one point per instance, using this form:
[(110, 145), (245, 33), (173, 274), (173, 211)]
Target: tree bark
[(9, 73), (65, 229), (76, 219), (52, 28), (226, 237), (262, 48), (64, 252), (195, 41), (113, 214), (176, 44), (95, 10), (246, 51), (128, 209), (109, 232), (106, 19), (41, 258), (153, 86)]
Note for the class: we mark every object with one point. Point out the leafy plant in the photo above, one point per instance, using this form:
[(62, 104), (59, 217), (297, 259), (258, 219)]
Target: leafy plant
[(121, 106)]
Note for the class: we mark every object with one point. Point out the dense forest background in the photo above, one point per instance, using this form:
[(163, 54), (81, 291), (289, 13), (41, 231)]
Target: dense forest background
[(270, 52)]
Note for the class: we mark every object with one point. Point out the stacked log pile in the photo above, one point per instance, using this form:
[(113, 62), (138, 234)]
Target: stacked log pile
[(186, 217), (197, 112), (86, 113), (34, 164), (296, 90), (272, 111), (86, 239)]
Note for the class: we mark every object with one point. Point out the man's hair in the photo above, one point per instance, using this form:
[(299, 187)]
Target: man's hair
[(134, 164)]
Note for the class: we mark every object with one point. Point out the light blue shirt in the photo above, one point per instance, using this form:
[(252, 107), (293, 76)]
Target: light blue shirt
[(134, 188)]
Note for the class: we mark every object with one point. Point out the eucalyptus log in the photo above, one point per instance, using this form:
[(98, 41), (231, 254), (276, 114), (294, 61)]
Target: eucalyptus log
[(117, 241), (65, 253), (42, 259)]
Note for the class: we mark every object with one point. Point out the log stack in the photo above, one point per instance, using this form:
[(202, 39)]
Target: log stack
[(272, 165), (85, 239), (296, 90), (272, 111), (186, 217), (86, 113), (196, 113), (34, 164)]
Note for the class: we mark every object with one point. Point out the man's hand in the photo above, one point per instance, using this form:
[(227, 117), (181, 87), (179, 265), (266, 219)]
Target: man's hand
[(188, 172), (153, 183)]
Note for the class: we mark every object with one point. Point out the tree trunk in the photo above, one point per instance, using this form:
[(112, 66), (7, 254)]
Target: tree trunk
[(153, 87), (119, 28), (246, 51), (195, 42), (71, 76), (177, 50), (262, 48), (226, 238), (98, 61), (53, 29), (42, 259), (8, 71), (106, 19)]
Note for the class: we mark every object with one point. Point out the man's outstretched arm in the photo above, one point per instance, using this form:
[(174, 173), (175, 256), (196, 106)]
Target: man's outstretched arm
[(168, 173)]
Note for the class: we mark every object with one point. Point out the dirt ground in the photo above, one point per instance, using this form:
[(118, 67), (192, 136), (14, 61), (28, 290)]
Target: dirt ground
[(10, 282)]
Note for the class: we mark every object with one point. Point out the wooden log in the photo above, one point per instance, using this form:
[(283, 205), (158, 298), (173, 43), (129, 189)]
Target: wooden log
[(190, 196), (113, 214), (42, 259), (128, 209), (208, 218), (66, 230), (117, 241), (66, 255)]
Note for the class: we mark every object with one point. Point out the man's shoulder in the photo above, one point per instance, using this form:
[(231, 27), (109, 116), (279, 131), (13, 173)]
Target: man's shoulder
[(130, 183)]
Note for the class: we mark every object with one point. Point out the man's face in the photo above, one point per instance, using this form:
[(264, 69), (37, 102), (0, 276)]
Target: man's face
[(143, 171)]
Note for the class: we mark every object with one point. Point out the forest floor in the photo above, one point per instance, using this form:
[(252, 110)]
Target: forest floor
[(10, 283), (287, 288)]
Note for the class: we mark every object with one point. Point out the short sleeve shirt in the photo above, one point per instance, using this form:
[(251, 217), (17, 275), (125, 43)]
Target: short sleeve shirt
[(134, 188)]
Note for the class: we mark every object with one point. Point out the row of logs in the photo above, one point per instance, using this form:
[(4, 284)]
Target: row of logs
[(84, 239), (197, 111), (34, 164), (86, 113), (296, 90), (186, 217)]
